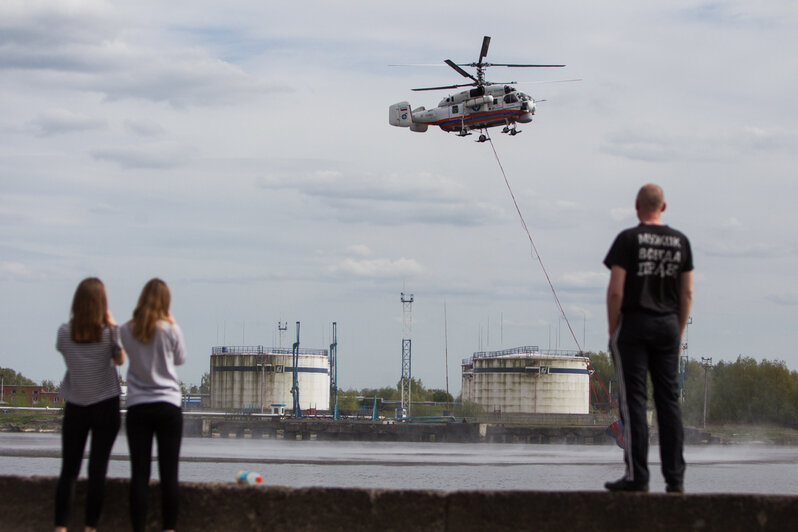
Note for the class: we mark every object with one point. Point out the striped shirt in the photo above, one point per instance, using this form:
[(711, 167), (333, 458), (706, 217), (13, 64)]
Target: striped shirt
[(91, 374), (151, 375)]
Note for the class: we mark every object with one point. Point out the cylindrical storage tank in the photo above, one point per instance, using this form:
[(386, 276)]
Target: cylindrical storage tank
[(525, 380), (252, 378)]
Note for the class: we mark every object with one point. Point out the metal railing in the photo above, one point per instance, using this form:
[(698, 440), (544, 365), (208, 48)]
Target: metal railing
[(531, 350), (261, 350)]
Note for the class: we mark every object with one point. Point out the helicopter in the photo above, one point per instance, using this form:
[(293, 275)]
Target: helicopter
[(487, 105)]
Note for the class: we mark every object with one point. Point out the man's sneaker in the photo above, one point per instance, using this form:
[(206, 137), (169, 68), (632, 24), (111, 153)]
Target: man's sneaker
[(626, 485), (674, 488)]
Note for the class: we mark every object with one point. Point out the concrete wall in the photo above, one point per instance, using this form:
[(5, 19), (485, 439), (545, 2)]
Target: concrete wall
[(26, 504)]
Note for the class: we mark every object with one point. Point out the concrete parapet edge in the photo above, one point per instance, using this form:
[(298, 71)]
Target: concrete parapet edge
[(26, 503)]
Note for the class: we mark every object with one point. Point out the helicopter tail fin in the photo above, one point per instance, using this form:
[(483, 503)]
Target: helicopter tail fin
[(399, 114)]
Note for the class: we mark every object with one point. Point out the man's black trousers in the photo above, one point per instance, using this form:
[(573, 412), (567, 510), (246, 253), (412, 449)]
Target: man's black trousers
[(648, 343)]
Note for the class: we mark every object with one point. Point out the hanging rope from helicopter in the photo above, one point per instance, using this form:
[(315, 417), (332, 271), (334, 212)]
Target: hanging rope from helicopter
[(534, 250)]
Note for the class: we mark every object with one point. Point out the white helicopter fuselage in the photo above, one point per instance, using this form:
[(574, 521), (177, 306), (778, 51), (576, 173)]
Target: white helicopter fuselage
[(478, 108)]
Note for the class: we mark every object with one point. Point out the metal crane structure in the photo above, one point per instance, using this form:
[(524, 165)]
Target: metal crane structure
[(407, 325), (334, 372), (295, 387)]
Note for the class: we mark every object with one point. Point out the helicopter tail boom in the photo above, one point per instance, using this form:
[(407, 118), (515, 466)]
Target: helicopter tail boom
[(401, 115)]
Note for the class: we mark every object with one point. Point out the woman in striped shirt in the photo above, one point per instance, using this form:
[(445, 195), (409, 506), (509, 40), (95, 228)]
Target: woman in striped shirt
[(92, 348)]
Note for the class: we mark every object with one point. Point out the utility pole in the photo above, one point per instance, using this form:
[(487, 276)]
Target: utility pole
[(683, 361), (407, 375), (334, 372), (707, 363), (295, 387)]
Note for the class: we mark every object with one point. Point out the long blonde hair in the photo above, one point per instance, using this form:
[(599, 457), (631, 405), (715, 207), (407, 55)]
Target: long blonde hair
[(153, 305), (89, 312)]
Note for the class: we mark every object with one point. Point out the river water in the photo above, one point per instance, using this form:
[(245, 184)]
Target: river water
[(439, 466)]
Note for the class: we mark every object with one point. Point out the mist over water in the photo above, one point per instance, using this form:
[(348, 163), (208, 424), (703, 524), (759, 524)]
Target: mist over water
[(439, 466)]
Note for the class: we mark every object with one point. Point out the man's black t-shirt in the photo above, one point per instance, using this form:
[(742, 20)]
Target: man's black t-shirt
[(654, 256)]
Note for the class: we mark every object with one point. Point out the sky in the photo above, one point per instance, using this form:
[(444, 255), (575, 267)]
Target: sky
[(241, 151)]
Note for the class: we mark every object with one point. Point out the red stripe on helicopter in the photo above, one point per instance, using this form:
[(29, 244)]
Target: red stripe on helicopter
[(477, 117)]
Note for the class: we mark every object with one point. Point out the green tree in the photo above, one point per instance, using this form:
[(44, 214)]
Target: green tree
[(11, 377), (440, 396), (205, 384), (347, 400), (50, 386)]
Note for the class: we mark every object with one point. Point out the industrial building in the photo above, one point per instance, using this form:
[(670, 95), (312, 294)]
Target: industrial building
[(260, 379), (525, 380)]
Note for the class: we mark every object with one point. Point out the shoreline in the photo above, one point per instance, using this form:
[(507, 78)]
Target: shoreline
[(49, 422)]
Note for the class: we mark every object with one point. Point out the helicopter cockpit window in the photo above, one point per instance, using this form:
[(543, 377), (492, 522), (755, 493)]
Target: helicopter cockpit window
[(510, 98), (523, 97)]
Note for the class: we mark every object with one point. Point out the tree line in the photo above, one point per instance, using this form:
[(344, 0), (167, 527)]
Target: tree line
[(741, 392)]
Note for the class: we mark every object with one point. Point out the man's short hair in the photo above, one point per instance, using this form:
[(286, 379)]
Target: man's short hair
[(650, 198)]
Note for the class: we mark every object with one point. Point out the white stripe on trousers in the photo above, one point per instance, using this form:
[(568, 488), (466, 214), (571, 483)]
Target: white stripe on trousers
[(623, 402)]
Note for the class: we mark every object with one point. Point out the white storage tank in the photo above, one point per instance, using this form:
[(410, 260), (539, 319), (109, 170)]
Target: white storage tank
[(254, 378), (525, 380)]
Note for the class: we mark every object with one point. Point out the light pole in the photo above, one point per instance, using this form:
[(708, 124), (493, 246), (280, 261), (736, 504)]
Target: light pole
[(707, 363)]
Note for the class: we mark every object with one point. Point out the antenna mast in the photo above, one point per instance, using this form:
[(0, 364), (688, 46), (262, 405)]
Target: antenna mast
[(407, 326)]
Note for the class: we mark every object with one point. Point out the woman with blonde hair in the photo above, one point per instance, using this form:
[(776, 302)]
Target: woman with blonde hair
[(90, 344), (154, 344)]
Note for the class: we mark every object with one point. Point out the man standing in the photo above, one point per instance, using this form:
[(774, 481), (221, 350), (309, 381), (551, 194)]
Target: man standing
[(648, 303)]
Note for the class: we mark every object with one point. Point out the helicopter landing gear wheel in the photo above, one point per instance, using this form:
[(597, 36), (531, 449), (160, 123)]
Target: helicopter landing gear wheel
[(482, 138), (506, 129)]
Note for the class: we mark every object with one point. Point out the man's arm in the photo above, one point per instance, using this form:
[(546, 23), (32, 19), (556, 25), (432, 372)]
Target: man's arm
[(685, 299), (615, 296)]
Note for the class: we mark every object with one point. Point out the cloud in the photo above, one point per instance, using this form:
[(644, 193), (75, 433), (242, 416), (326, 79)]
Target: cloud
[(733, 223), (583, 280), (163, 156), (360, 250), (622, 213), (784, 298), (388, 200), (735, 249), (144, 128), (382, 268), (82, 46), (16, 271), (60, 121), (655, 144)]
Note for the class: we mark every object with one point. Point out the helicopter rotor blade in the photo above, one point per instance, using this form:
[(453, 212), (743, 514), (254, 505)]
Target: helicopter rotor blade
[(516, 65), (544, 81), (484, 52), (444, 87), (460, 70)]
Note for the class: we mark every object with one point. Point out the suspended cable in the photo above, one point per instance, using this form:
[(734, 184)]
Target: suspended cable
[(535, 253)]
